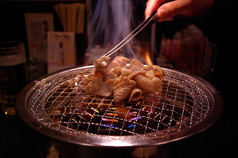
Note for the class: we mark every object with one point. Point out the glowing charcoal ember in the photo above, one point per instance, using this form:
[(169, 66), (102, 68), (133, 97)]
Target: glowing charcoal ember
[(123, 112), (135, 118), (110, 126), (133, 125), (111, 114), (109, 120), (95, 110)]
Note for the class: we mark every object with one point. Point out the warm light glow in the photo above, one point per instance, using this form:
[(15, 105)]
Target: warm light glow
[(116, 143), (147, 58)]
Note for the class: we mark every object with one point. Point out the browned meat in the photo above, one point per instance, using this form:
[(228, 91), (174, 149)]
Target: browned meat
[(136, 94), (123, 89), (121, 80)]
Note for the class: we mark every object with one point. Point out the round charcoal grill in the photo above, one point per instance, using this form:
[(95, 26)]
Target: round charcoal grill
[(55, 106)]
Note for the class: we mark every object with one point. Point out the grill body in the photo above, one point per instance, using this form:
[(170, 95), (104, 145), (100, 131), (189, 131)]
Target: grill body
[(55, 107)]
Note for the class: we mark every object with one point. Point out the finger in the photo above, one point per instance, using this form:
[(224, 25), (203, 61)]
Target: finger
[(151, 6), (168, 10)]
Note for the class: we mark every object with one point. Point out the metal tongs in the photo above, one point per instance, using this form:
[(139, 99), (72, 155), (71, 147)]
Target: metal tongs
[(153, 18)]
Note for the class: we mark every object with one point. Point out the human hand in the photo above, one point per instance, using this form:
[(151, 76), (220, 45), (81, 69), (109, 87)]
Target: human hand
[(167, 9)]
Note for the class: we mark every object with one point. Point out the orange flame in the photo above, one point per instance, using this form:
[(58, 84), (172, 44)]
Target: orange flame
[(147, 58)]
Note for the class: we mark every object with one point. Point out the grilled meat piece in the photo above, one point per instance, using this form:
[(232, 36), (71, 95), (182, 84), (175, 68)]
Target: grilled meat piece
[(121, 80)]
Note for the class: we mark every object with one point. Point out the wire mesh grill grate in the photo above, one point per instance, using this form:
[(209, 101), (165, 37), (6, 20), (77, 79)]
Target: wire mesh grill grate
[(57, 102)]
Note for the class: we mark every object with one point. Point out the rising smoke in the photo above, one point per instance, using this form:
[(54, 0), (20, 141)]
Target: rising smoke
[(110, 22)]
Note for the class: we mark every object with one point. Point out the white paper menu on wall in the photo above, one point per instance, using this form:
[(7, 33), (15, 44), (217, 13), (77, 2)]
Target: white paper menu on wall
[(60, 51), (37, 26)]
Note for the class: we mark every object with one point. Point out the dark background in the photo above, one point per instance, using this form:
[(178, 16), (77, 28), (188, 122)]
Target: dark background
[(12, 16), (220, 140)]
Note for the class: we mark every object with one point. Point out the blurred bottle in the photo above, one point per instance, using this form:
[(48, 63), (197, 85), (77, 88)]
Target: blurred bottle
[(13, 74), (192, 50)]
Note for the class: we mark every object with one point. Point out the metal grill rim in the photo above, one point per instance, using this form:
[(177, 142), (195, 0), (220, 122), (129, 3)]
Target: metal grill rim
[(182, 84)]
